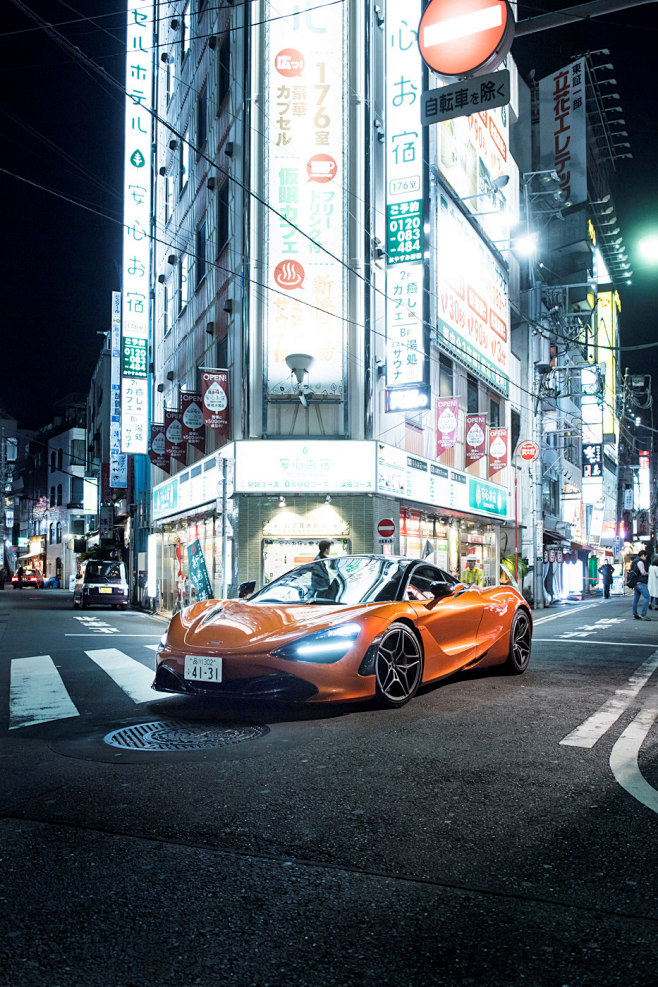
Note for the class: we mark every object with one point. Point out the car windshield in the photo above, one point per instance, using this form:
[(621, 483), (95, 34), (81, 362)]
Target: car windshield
[(346, 580), (102, 571)]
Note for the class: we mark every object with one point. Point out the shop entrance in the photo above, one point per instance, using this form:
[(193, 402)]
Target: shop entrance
[(280, 555)]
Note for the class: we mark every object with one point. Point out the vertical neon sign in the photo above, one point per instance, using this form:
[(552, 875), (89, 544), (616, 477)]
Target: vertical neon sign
[(136, 274)]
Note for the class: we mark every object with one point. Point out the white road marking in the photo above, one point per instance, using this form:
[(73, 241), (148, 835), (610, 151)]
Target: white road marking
[(133, 677), (623, 758), (152, 647), (37, 693), (118, 633), (593, 728), (564, 613), (617, 644)]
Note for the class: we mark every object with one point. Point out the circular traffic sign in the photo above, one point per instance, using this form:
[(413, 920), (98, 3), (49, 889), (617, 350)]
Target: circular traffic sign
[(386, 528), (528, 451), (465, 37)]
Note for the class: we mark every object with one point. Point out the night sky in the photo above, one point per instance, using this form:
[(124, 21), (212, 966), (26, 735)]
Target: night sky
[(62, 129)]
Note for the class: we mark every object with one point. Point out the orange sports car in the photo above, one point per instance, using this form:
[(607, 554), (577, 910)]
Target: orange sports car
[(353, 627)]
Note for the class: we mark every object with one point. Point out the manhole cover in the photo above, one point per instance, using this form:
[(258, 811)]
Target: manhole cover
[(169, 735)]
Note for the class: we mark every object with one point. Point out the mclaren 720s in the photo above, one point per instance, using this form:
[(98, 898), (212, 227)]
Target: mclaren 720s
[(347, 628)]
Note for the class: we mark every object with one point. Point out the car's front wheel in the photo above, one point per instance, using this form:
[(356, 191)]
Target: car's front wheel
[(399, 665), (520, 640)]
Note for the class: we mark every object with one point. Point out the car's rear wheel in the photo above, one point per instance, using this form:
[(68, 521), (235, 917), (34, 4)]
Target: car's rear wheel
[(399, 665), (520, 640)]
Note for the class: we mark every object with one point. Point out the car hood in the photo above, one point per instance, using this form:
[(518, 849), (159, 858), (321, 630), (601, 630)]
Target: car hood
[(234, 624)]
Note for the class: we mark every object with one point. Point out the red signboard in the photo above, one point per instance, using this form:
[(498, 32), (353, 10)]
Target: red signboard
[(157, 453), (465, 37)]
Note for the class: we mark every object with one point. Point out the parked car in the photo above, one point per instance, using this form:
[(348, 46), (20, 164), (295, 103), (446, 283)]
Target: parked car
[(52, 582), (353, 627), (102, 583), (31, 577)]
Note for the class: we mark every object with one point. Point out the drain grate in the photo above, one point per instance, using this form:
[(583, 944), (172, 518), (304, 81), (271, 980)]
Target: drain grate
[(169, 735)]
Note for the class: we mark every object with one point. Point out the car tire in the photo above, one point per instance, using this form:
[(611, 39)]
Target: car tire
[(398, 665), (520, 642)]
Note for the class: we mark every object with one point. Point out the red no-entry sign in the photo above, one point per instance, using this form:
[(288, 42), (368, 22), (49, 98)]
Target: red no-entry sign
[(465, 37), (528, 451), (386, 528)]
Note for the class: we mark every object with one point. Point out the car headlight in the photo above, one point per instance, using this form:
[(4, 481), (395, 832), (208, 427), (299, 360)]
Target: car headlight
[(163, 641), (323, 647)]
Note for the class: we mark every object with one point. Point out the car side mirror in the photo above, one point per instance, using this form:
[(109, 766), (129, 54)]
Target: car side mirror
[(440, 588)]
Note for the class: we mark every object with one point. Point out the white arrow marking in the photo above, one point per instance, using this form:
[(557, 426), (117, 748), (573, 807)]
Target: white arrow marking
[(462, 27), (623, 758)]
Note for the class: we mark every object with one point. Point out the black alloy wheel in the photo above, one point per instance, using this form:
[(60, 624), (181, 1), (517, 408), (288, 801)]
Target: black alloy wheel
[(520, 640), (399, 665)]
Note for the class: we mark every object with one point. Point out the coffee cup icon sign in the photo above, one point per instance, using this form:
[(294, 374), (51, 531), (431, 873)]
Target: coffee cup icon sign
[(321, 168), (289, 274)]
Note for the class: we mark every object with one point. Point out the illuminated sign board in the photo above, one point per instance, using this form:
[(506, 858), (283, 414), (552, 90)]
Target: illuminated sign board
[(608, 306), (305, 182), (136, 276), (406, 338), (562, 141), (592, 442), (472, 301), (199, 484), (90, 495), (118, 459), (297, 466)]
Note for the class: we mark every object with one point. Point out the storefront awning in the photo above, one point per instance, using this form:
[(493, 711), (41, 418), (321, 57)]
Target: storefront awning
[(30, 555)]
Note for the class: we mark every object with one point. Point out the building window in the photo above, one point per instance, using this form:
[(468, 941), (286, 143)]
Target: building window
[(169, 197), (516, 430), (171, 74), (201, 119), (78, 452), (471, 395), (200, 253), (446, 383), (52, 496), (184, 277), (76, 491), (550, 496), (494, 413), (51, 534), (59, 495), (59, 532), (53, 461), (185, 32), (184, 160), (60, 455), (168, 308), (222, 218), (223, 67), (222, 352)]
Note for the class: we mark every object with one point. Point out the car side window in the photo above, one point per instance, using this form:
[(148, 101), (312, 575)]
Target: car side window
[(421, 580)]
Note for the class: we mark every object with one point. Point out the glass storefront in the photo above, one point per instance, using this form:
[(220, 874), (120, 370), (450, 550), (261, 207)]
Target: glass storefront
[(447, 541)]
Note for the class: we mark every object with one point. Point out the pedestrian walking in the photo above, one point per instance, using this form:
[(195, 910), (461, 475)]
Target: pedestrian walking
[(653, 583), (20, 572), (641, 585), (606, 571)]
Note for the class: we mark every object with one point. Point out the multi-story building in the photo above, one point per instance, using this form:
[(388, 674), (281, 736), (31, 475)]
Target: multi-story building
[(66, 441), (334, 257)]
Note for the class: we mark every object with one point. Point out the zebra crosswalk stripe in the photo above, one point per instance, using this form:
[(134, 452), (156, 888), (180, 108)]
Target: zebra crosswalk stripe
[(37, 693), (133, 677)]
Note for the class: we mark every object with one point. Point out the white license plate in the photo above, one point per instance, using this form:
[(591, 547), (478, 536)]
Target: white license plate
[(199, 668), (106, 589)]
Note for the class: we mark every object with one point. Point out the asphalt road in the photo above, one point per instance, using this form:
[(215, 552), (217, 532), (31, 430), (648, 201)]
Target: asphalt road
[(495, 831)]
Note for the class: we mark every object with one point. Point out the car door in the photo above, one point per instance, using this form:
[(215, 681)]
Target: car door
[(448, 624)]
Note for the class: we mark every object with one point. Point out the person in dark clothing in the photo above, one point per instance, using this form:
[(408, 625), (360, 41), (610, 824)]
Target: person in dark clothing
[(641, 588), (606, 571), (320, 578)]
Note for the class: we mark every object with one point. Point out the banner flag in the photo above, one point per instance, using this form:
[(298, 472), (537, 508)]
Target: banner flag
[(214, 389), (192, 420), (173, 426), (476, 439), (447, 421), (498, 446), (157, 453)]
